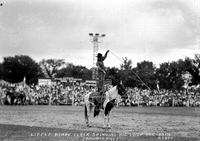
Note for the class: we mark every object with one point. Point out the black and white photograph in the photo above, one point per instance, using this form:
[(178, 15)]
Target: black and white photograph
[(99, 70)]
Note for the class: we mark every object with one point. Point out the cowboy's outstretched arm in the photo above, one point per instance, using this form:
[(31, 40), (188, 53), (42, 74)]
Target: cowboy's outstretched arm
[(104, 57)]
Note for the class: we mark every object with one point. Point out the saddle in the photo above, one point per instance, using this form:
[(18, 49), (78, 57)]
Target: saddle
[(97, 98)]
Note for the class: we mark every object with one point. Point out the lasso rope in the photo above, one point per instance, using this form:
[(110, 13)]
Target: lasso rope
[(121, 60)]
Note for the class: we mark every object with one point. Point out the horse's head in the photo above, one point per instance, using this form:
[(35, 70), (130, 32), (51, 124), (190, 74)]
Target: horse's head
[(122, 91)]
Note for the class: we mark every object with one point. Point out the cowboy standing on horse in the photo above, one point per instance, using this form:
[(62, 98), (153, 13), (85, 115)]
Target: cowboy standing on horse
[(100, 82), (101, 71)]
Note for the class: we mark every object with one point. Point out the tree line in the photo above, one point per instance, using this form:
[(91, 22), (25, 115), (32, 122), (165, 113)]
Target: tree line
[(169, 75)]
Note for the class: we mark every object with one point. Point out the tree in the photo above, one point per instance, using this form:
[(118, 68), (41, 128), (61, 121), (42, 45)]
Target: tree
[(162, 74), (175, 75), (81, 72), (170, 74), (20, 66), (1, 71), (113, 74), (50, 67), (66, 71), (75, 71), (126, 73), (193, 67), (127, 64), (146, 72)]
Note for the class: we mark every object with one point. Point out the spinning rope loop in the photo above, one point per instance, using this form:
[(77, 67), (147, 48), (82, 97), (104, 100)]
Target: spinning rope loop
[(121, 60)]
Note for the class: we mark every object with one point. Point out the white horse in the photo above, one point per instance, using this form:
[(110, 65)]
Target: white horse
[(108, 103)]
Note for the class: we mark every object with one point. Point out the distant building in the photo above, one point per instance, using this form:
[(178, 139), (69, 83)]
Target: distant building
[(92, 83), (44, 81), (69, 80)]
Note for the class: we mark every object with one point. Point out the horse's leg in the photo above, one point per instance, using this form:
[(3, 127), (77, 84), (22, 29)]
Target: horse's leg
[(87, 114), (107, 109), (105, 119), (108, 122), (105, 116)]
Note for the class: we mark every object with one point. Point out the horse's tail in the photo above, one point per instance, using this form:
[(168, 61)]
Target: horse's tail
[(97, 108), (85, 112), (96, 111)]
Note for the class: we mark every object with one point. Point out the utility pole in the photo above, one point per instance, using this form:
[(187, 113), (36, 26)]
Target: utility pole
[(95, 39)]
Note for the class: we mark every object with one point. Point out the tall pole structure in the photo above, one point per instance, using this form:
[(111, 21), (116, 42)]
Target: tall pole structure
[(196, 17), (198, 24), (198, 29), (95, 39)]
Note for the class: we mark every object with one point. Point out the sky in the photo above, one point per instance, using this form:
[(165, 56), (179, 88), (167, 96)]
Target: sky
[(153, 30)]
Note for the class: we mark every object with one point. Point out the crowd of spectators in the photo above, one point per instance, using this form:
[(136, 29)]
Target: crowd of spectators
[(47, 95), (74, 95), (189, 97)]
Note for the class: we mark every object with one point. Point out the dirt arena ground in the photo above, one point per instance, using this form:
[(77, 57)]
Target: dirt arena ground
[(127, 123)]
